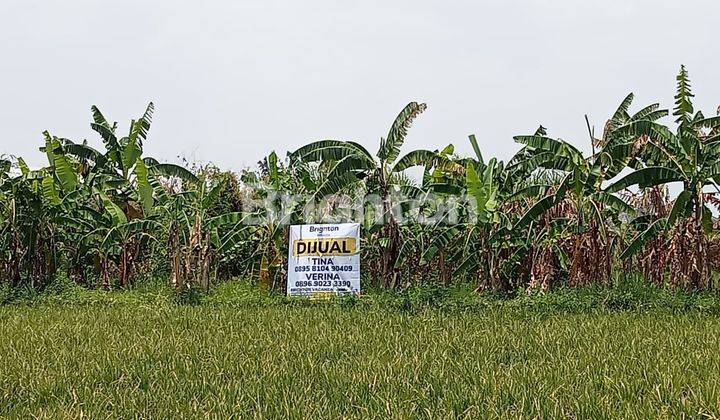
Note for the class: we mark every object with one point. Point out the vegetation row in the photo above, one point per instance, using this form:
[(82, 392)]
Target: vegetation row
[(110, 217)]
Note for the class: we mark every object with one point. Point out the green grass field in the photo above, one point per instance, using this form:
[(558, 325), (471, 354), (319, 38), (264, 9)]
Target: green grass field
[(151, 358)]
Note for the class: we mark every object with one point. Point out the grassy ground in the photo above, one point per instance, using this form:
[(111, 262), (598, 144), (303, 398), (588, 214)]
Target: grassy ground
[(428, 353)]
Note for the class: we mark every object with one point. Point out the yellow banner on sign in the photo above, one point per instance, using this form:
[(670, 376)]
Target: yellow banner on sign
[(324, 247)]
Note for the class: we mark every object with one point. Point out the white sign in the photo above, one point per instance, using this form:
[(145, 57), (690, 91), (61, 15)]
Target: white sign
[(324, 259)]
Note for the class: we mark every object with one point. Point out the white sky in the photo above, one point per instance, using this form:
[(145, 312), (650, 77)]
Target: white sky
[(233, 80)]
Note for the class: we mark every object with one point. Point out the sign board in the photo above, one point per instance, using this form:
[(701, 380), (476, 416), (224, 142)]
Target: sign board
[(324, 259)]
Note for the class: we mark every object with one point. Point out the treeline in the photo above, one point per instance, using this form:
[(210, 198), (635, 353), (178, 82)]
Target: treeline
[(549, 216)]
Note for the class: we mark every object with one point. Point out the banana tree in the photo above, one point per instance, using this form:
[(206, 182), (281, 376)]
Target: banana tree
[(572, 218), (689, 158), (111, 190), (481, 182), (197, 239), (9, 237), (262, 244), (276, 196), (350, 165), (29, 226)]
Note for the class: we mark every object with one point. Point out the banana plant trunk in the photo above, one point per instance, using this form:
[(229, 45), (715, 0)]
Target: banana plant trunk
[(389, 253), (15, 261)]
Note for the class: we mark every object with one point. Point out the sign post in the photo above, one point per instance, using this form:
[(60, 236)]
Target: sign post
[(324, 259)]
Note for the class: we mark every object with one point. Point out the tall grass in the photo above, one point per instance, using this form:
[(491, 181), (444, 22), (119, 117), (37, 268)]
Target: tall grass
[(238, 353)]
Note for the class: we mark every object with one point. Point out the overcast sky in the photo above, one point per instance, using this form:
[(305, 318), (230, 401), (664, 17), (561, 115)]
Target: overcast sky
[(233, 80)]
